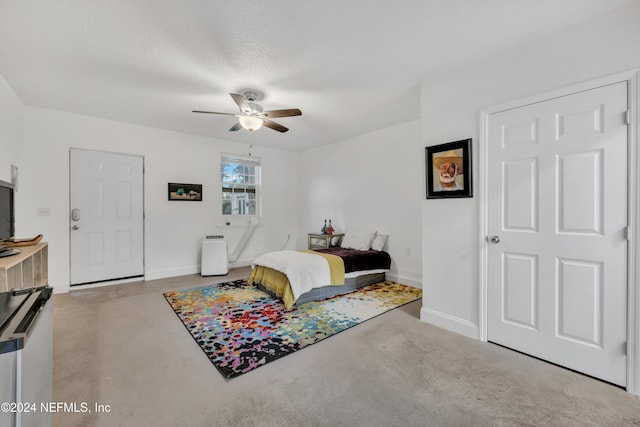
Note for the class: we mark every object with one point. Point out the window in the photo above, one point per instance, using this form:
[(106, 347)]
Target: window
[(240, 178)]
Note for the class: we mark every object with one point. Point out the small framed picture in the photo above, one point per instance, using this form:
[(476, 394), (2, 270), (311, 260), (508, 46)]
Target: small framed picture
[(448, 170), (185, 192)]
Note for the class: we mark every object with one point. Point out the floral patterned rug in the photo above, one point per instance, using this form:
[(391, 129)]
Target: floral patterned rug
[(240, 327)]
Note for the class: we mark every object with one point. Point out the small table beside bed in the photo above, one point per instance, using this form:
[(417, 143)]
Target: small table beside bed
[(298, 277)]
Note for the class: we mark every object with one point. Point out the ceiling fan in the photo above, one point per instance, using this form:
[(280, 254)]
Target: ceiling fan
[(251, 116)]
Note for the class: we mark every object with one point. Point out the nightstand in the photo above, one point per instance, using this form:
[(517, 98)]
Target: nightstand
[(323, 241)]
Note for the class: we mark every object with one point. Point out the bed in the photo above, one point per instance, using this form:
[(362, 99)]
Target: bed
[(298, 277)]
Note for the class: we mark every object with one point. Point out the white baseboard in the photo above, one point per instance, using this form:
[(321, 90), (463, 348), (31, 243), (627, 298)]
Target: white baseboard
[(184, 271), (416, 282), (450, 323), (163, 274), (106, 283), (60, 289), (242, 262), (149, 275), (409, 280)]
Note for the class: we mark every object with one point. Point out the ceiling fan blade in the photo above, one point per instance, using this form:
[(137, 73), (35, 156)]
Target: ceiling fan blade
[(282, 113), (275, 126), (213, 112), (235, 127), (242, 103)]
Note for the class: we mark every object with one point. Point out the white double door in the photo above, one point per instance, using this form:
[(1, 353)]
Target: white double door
[(557, 223), (106, 216)]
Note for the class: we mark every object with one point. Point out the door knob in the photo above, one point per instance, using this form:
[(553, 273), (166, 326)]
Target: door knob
[(494, 239), (75, 227)]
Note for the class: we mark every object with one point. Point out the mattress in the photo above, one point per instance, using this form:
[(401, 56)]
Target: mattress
[(361, 268), (355, 260), (350, 284)]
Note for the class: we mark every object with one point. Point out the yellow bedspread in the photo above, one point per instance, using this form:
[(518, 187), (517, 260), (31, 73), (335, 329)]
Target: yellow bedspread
[(336, 267), (278, 283)]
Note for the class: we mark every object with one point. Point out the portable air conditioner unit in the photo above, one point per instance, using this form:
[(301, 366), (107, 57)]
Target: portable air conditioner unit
[(214, 256)]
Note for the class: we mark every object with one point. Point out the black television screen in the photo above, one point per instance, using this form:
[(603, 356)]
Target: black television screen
[(6, 211)]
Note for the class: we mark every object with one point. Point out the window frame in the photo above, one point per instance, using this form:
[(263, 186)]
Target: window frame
[(247, 161)]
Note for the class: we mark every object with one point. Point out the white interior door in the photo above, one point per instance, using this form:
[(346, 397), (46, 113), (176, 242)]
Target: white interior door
[(106, 216), (557, 222)]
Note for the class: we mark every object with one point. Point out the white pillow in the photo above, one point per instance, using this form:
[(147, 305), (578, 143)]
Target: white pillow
[(359, 240), (379, 241)]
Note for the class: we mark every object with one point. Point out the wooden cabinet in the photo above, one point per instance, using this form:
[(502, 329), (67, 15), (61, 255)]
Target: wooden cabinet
[(27, 269)]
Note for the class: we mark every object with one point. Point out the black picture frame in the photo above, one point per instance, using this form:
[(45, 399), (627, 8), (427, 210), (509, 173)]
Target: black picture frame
[(456, 156), (184, 192)]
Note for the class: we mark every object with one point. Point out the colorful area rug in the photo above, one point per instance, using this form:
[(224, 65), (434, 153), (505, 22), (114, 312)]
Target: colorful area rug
[(240, 327)]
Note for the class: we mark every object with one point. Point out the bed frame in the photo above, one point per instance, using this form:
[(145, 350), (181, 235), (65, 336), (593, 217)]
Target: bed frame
[(350, 284)]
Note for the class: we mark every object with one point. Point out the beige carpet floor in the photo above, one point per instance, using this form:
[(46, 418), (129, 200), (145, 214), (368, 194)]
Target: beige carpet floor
[(122, 347)]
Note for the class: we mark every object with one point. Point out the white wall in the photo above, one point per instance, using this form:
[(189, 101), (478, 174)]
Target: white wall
[(173, 230), (371, 182), (450, 106), (11, 117)]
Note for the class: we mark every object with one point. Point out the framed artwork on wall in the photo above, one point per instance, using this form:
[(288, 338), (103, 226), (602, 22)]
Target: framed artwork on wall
[(448, 170), (185, 192)]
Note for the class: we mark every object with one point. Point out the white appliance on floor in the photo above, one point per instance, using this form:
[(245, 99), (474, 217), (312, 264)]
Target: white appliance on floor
[(214, 260), (26, 357)]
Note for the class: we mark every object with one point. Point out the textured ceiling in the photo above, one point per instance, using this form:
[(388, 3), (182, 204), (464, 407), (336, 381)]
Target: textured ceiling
[(351, 66)]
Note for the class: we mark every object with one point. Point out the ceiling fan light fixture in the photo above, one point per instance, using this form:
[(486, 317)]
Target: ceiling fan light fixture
[(250, 123), (251, 117)]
